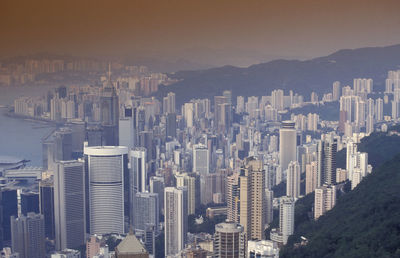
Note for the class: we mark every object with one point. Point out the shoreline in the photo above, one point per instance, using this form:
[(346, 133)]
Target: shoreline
[(11, 114)]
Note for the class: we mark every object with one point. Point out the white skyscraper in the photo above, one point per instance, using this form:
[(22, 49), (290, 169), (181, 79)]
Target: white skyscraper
[(286, 217), (287, 144), (138, 169), (201, 163), (175, 220), (293, 180), (107, 169), (69, 204)]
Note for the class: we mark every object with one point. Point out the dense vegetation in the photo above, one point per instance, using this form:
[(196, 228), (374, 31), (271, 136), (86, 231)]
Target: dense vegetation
[(364, 223)]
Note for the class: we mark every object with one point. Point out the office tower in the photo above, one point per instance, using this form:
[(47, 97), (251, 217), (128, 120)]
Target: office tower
[(131, 247), (252, 199), (69, 204), (311, 177), (94, 135), (170, 127), (57, 146), (146, 211), (229, 240), (109, 113), (107, 189), (293, 180), (327, 149), (287, 144), (187, 111), (27, 236), (286, 217), (138, 169), (232, 197), (127, 130), (192, 182), (277, 100), (9, 208), (201, 162), (29, 203), (336, 91), (262, 248), (150, 239), (46, 205), (228, 95), (175, 220), (324, 200), (157, 186), (169, 103), (239, 104), (222, 112), (269, 206)]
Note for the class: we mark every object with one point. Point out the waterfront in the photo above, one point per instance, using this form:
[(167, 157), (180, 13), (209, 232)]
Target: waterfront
[(21, 137)]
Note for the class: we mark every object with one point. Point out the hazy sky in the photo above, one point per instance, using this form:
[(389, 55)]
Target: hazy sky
[(213, 32)]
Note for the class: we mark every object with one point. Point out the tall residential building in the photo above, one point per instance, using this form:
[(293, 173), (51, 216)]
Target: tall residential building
[(201, 159), (229, 240), (69, 204), (27, 236), (293, 180), (287, 144), (311, 177), (252, 199), (46, 206), (175, 222), (109, 114), (269, 206), (336, 91), (325, 199), (191, 181), (286, 217), (108, 189), (327, 149), (169, 103), (232, 197), (146, 211)]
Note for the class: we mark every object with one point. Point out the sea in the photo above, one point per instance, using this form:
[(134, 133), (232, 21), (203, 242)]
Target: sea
[(19, 137)]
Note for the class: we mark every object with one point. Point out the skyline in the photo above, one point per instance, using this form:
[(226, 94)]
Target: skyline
[(198, 33)]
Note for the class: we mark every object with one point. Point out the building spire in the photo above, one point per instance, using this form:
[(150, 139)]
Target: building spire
[(109, 71)]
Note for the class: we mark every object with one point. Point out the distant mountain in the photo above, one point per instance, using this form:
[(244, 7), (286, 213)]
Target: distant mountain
[(364, 223), (301, 76)]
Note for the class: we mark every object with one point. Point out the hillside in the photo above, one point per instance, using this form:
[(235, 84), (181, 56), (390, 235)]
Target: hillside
[(364, 223), (301, 76)]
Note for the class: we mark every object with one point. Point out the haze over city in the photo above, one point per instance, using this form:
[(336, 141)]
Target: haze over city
[(181, 129)]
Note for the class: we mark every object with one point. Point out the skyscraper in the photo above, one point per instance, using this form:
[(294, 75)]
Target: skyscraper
[(109, 113), (327, 149), (46, 203), (286, 217), (108, 189), (138, 169), (232, 198), (27, 236), (252, 199), (191, 181), (229, 240), (157, 186), (287, 144), (324, 200), (293, 180), (146, 211), (311, 176), (69, 204), (201, 162), (175, 220)]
